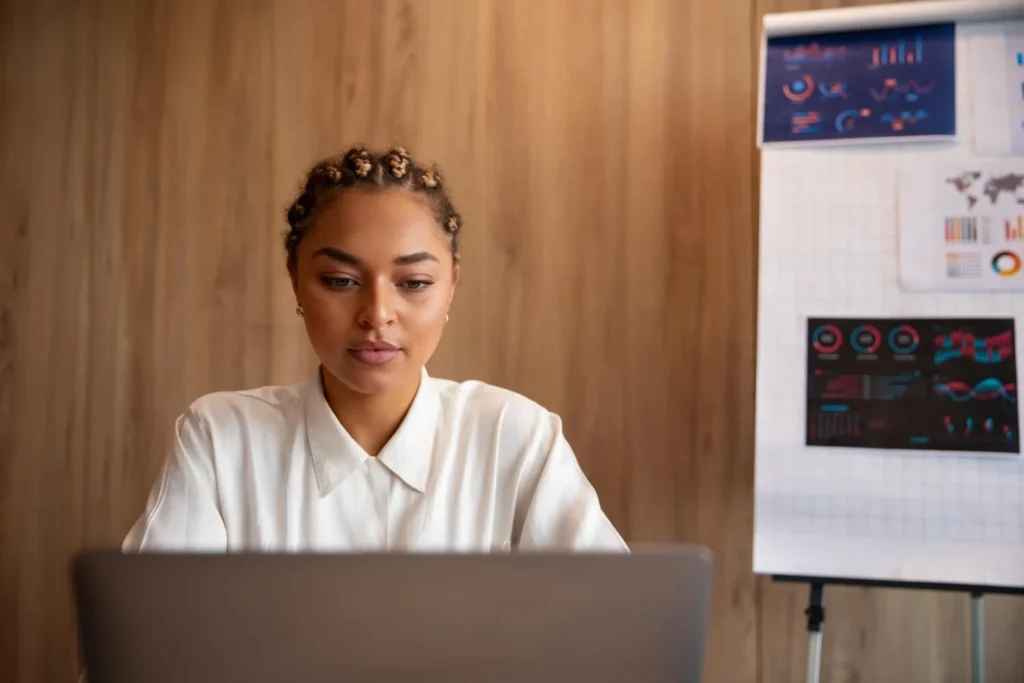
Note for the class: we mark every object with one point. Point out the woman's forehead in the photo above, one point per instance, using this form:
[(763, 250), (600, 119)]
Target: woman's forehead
[(358, 205), (372, 212), (377, 220)]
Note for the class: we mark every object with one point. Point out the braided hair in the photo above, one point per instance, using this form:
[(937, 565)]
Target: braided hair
[(359, 167)]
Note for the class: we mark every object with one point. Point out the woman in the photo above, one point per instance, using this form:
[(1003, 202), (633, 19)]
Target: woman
[(372, 453)]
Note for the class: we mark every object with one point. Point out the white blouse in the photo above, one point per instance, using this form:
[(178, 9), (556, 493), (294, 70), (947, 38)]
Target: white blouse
[(472, 468)]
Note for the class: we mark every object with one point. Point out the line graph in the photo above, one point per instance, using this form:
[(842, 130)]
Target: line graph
[(899, 120), (985, 390), (893, 90)]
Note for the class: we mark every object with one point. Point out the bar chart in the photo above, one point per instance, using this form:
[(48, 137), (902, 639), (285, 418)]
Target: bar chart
[(962, 230), (898, 53), (1014, 228)]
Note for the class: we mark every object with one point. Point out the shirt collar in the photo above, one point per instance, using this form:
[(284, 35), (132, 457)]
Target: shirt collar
[(408, 454)]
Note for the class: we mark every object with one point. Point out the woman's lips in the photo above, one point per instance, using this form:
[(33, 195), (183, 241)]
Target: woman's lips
[(375, 353)]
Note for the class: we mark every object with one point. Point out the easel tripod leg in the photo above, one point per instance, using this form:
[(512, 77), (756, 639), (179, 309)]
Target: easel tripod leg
[(815, 617), (977, 639)]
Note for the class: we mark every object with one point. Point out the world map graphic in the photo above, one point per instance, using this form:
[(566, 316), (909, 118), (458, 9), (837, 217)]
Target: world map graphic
[(970, 185)]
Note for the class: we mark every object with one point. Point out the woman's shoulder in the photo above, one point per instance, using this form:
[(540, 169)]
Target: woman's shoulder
[(253, 405), (478, 402)]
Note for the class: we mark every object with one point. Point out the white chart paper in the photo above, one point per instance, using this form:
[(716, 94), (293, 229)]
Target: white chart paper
[(830, 231), (961, 225), (1015, 87), (995, 82)]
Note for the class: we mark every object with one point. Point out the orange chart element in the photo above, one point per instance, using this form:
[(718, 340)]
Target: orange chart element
[(793, 91), (806, 122), (1015, 229), (1006, 263)]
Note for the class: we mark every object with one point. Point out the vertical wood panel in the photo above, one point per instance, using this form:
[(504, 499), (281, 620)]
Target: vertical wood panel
[(602, 155)]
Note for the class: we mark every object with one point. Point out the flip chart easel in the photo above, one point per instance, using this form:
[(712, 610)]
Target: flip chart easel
[(815, 613), (828, 248)]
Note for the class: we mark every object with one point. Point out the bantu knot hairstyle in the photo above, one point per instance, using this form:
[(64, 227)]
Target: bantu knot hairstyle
[(358, 166)]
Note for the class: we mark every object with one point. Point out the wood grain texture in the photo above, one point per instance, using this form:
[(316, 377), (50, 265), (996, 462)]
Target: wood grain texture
[(602, 154)]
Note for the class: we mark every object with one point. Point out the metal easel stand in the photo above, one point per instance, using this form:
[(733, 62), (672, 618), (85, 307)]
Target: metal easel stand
[(815, 618), (977, 639)]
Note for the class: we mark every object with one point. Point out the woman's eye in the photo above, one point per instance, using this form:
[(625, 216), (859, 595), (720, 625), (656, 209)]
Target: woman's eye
[(338, 282), (416, 285)]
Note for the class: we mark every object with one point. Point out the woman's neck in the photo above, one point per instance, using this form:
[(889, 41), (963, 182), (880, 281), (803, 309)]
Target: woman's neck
[(369, 419)]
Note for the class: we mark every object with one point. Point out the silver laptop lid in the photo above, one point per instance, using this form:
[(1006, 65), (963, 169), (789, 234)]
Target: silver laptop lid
[(262, 618)]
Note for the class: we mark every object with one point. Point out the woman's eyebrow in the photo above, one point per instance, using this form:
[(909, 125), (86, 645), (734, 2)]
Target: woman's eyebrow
[(418, 257), (338, 255), (345, 257)]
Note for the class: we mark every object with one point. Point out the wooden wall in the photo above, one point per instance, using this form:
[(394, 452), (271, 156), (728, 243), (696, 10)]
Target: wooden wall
[(602, 152)]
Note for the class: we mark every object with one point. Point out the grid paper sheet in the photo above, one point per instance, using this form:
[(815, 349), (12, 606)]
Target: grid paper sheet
[(828, 247)]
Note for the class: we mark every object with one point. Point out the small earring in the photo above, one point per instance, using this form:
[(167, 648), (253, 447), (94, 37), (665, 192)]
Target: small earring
[(298, 310), (446, 317)]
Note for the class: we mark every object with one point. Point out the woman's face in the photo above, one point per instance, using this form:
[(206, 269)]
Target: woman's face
[(375, 277)]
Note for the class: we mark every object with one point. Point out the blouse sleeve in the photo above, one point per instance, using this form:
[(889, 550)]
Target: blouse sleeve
[(559, 508), (182, 512)]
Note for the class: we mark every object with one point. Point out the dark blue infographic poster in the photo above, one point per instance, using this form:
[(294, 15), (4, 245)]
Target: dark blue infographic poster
[(879, 84)]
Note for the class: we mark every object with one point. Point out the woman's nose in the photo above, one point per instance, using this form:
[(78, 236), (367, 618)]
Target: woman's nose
[(377, 308)]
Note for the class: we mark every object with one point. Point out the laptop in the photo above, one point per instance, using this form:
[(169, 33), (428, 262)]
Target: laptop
[(376, 618)]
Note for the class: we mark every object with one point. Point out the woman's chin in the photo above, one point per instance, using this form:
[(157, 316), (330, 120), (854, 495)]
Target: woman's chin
[(372, 379)]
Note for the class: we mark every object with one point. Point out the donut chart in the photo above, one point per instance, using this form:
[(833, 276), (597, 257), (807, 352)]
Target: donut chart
[(866, 339), (827, 339), (904, 339), (799, 90), (1006, 264)]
